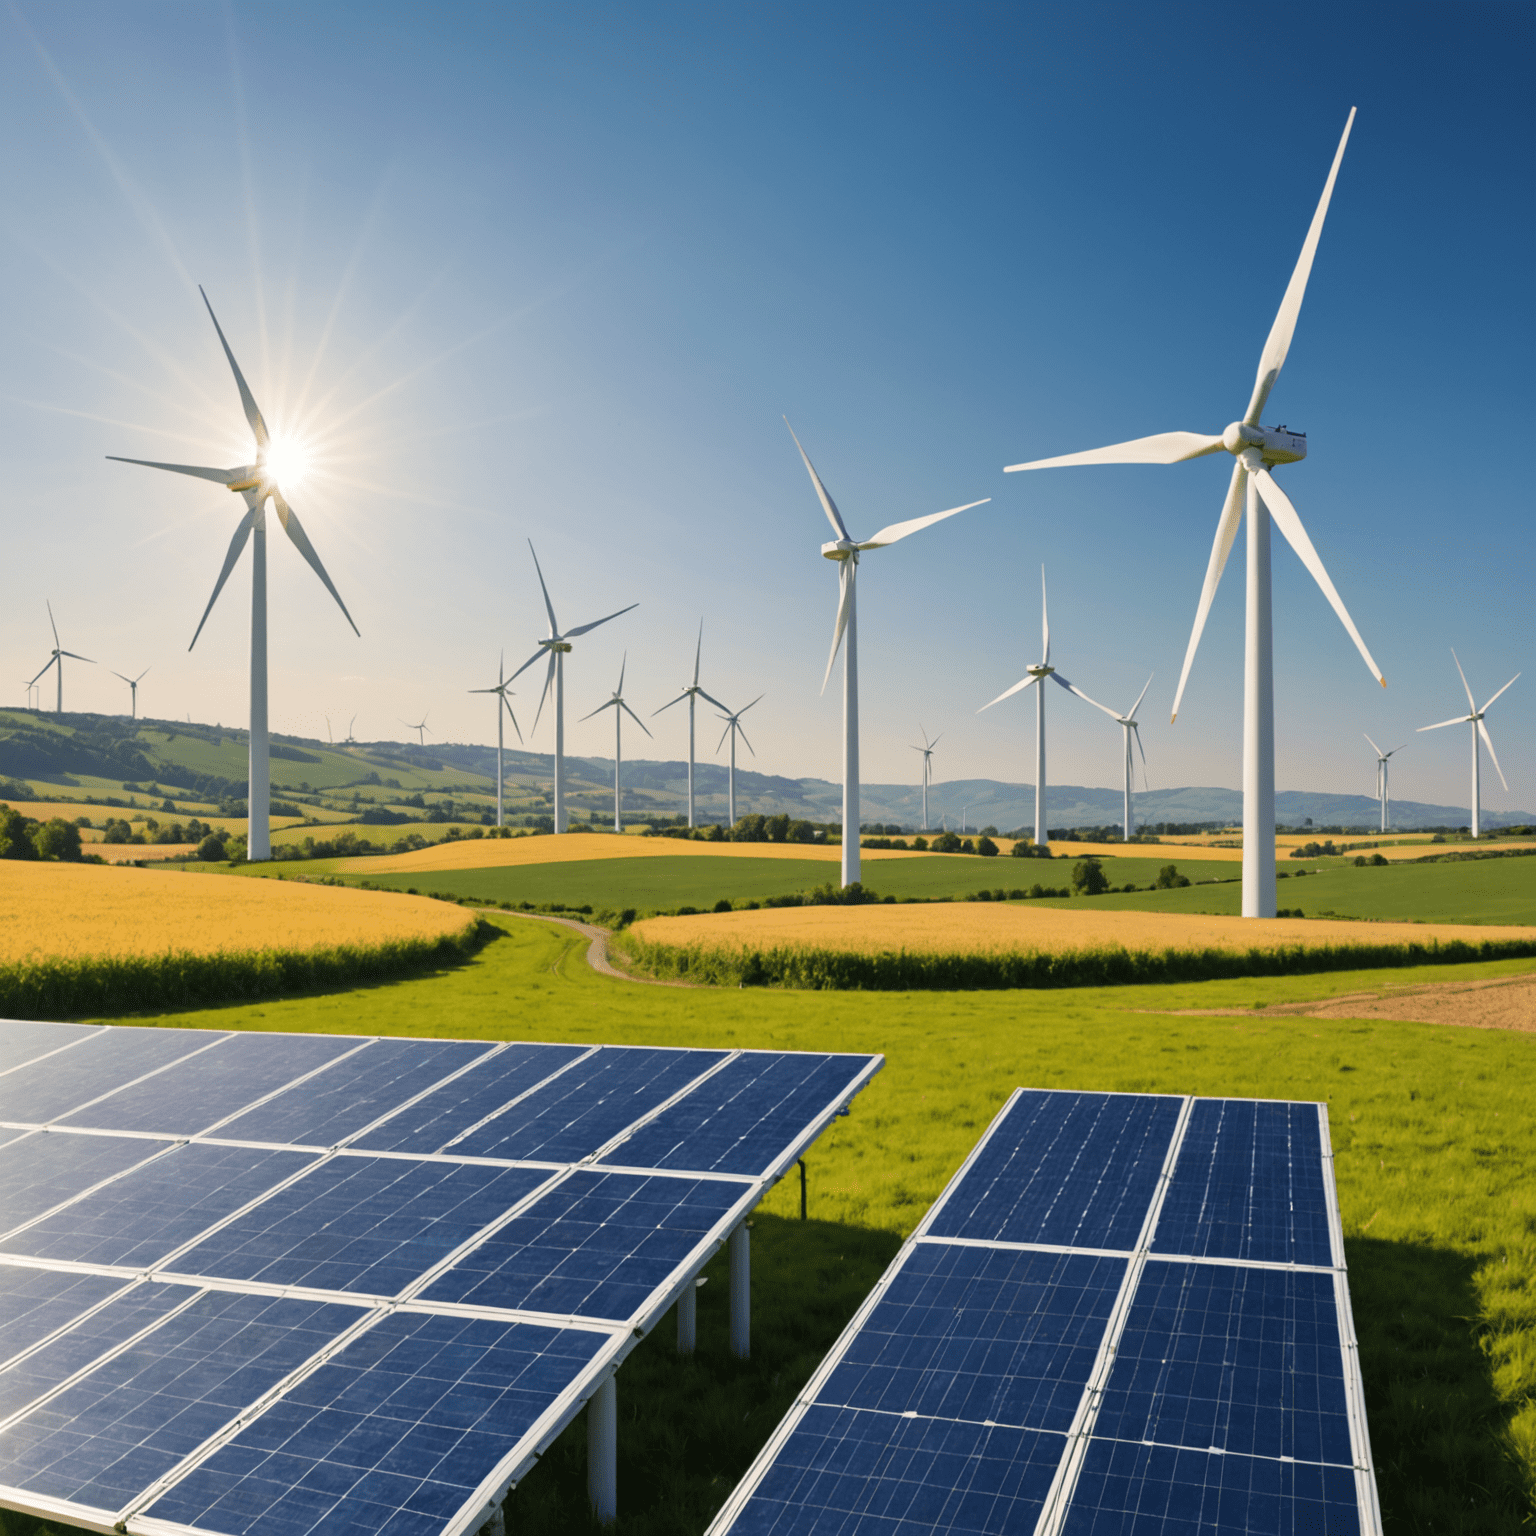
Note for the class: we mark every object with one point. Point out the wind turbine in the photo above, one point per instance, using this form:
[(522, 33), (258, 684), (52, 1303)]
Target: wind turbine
[(1037, 673), (57, 660), (733, 729), (351, 739), (1382, 759), (1128, 725), (500, 690), (556, 644), (1475, 720), (846, 551), (1257, 449), (257, 483), (927, 750), (420, 727), (691, 692), (133, 684), (620, 709)]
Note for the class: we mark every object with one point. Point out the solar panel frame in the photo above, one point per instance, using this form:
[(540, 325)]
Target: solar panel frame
[(619, 1336), (1080, 1440)]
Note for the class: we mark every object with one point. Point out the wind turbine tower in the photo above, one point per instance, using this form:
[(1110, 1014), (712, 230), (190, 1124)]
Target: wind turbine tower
[(845, 550), (1382, 793), (420, 727), (504, 708), (556, 645), (133, 685), (733, 729), (620, 709), (1252, 488), (1475, 720), (1037, 674), (927, 750), (56, 660), (692, 692), (257, 483)]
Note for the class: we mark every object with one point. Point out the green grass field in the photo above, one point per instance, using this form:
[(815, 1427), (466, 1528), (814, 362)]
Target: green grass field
[(1435, 1147)]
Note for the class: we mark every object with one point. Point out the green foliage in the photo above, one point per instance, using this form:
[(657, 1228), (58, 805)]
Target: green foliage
[(946, 842), (58, 839), (1027, 848), (1089, 879), (15, 838), (986, 847), (1169, 878)]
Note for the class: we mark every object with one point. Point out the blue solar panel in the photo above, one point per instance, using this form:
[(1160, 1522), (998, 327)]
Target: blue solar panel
[(586, 1107), (44, 1168), (24, 1040), (371, 1224), (1248, 1185), (597, 1244), (45, 1089), (742, 1118), (406, 1421), (35, 1302), (1072, 1169), (427, 1126), (204, 1089), (340, 1101), (138, 1219)]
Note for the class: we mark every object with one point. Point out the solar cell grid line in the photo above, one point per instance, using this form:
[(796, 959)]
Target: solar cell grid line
[(38, 1304), (43, 1171), (23, 1041)]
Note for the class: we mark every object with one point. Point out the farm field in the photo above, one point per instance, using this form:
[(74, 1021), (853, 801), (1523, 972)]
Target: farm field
[(1436, 1163)]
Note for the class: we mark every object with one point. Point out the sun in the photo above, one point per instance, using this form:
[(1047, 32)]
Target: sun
[(289, 461)]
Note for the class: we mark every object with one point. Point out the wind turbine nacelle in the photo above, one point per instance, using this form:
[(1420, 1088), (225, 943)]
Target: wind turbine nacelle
[(836, 550), (1276, 445)]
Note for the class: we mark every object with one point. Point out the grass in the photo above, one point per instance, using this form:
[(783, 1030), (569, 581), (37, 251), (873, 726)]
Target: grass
[(1435, 1147)]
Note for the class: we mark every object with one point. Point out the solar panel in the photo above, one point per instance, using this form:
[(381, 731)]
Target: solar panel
[(1127, 1315), (282, 1284)]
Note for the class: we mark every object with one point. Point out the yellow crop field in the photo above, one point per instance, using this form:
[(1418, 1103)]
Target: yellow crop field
[(989, 927), (78, 911)]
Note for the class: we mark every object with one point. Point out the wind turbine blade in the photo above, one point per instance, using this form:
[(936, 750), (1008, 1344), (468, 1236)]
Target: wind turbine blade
[(1289, 523), (540, 652), (513, 718), (73, 657), (1395, 749), (549, 607), (1507, 686), (252, 415), (129, 680), (1161, 448), (698, 652), (723, 734), (549, 683), (758, 700), (1139, 697), (218, 476), (145, 673), (900, 530), (236, 544), (55, 628), (1045, 622), (678, 700), (1482, 730), (600, 708), (52, 660), (1374, 748), (1136, 731), (827, 504), (1073, 688), (1465, 685), (1221, 547), (1018, 687), (844, 601), (936, 740), (1279, 343), (708, 698), (636, 718), (742, 733), (1439, 725), (582, 629), (295, 531)]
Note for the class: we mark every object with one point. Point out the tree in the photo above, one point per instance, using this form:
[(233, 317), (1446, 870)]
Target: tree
[(1088, 878), (946, 842), (212, 847), (58, 839), (986, 847), (1168, 877), (14, 842)]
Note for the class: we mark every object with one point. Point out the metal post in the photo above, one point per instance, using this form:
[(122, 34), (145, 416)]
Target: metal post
[(692, 700), (258, 835), (688, 1318), (1041, 840), (603, 1453), (741, 1292), (559, 740), (618, 758), (496, 1525), (850, 745), (1259, 721), (1477, 785), (801, 1161)]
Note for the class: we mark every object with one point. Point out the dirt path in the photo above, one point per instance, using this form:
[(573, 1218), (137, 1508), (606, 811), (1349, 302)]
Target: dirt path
[(597, 946)]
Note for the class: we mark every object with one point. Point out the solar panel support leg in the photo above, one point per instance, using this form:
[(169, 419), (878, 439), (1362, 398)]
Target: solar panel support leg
[(741, 1292), (603, 1453), (688, 1318), (497, 1524)]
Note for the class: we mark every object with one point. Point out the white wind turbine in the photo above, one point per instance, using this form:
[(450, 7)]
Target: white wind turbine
[(692, 692), (617, 704), (846, 551), (133, 686), (1257, 449), (927, 750), (503, 712), (420, 727), (1382, 761), (1128, 725), (1475, 720), (733, 729), (556, 644), (257, 483), (1037, 674), (56, 659)]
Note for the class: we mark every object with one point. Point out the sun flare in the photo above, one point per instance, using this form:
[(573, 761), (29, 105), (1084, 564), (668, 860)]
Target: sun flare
[(289, 461)]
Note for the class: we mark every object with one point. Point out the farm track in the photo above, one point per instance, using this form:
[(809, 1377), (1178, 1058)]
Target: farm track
[(597, 946)]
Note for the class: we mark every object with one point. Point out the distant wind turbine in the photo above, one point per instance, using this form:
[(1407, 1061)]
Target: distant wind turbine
[(846, 551), (1129, 727), (692, 692), (56, 660), (505, 707), (1257, 450), (620, 709), (133, 685), (1037, 673), (1382, 761), (927, 750), (257, 483), (420, 727), (1475, 720), (733, 729), (31, 689), (350, 737), (556, 644)]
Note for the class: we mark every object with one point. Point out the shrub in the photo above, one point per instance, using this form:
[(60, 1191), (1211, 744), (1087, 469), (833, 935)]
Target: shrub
[(946, 842), (1169, 878), (211, 848), (1088, 878), (58, 839), (986, 847)]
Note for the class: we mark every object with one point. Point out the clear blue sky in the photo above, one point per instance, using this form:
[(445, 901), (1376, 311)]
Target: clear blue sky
[(557, 271)]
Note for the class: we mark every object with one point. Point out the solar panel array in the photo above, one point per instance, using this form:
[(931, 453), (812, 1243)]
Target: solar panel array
[(292, 1283), (1127, 1315)]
